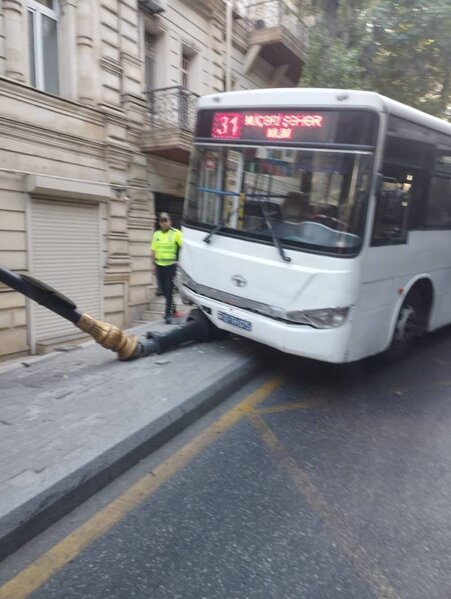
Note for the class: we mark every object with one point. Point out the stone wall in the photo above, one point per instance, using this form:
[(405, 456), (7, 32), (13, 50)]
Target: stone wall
[(85, 144), (89, 135)]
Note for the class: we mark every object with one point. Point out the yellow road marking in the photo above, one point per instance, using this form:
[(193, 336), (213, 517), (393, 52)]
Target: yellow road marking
[(285, 407), (355, 552), (51, 562)]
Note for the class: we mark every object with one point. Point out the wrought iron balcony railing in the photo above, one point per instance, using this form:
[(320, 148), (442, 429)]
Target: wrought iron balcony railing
[(265, 14), (173, 107)]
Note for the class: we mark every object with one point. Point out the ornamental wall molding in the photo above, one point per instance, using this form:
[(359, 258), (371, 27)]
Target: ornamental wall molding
[(13, 129), (110, 65), (131, 59), (65, 4), (21, 92), (190, 44), (114, 115), (202, 7), (154, 24), (110, 277), (141, 223), (118, 156), (13, 5)]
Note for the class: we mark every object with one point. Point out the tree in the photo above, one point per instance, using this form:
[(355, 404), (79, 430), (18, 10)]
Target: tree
[(400, 49), (410, 50), (335, 44)]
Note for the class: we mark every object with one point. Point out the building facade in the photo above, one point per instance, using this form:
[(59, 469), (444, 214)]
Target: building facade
[(97, 111)]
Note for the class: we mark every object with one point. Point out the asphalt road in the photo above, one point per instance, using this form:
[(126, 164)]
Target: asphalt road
[(314, 482)]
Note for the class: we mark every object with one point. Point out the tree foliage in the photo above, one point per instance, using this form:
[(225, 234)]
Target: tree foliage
[(400, 49)]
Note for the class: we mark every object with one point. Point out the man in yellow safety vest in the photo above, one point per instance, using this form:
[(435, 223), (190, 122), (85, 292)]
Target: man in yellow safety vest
[(165, 248)]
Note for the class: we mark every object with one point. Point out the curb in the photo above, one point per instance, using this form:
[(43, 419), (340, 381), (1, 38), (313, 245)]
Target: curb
[(34, 516)]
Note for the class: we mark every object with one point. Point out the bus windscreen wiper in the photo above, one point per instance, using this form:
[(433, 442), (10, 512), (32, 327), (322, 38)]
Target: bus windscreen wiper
[(261, 201), (218, 227), (222, 223)]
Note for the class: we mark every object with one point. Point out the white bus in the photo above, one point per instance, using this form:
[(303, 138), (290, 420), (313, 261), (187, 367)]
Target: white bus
[(318, 221)]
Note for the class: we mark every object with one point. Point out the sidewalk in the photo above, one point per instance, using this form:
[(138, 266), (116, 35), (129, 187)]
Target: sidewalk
[(71, 422)]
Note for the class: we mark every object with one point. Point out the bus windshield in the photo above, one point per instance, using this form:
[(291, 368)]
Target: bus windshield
[(308, 199)]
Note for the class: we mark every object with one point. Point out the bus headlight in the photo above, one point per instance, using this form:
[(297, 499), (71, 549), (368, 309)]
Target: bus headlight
[(326, 318)]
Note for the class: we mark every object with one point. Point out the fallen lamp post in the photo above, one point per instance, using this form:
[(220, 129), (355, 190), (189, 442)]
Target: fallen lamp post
[(128, 347)]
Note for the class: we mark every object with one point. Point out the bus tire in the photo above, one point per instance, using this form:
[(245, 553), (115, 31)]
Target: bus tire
[(409, 326)]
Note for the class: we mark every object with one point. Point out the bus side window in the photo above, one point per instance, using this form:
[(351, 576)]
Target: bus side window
[(439, 203), (392, 202), (408, 159)]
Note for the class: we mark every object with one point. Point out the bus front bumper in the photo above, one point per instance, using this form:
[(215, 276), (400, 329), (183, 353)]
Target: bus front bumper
[(328, 345)]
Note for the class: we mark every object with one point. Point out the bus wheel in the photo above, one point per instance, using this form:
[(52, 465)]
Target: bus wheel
[(409, 326)]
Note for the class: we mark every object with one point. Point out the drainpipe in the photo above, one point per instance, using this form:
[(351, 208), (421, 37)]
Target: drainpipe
[(229, 21)]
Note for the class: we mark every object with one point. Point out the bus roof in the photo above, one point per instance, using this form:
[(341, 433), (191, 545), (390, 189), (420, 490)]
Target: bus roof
[(293, 97)]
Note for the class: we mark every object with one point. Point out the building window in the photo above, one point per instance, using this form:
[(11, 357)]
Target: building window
[(186, 66), (149, 60), (43, 44), (185, 98)]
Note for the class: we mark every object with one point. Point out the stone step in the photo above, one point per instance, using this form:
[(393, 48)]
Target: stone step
[(65, 343), (158, 303), (150, 315)]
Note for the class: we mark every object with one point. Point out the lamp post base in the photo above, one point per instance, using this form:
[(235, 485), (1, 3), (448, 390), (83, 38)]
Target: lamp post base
[(109, 336)]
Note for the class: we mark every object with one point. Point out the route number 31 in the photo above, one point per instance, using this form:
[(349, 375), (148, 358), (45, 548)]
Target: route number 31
[(227, 125)]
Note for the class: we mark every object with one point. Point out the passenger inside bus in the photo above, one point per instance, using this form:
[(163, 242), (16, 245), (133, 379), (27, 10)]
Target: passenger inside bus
[(296, 207)]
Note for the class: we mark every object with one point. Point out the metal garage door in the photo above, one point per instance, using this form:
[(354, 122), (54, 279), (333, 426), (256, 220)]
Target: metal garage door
[(65, 243)]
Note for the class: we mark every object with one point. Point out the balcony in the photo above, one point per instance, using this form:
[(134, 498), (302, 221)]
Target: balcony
[(173, 118), (153, 7), (278, 36)]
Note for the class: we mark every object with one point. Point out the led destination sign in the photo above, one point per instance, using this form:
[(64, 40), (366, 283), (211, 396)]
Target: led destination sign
[(281, 125), (312, 126)]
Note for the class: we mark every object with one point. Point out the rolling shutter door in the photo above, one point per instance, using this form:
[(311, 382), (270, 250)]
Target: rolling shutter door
[(66, 255)]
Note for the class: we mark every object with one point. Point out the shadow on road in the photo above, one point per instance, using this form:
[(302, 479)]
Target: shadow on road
[(430, 359)]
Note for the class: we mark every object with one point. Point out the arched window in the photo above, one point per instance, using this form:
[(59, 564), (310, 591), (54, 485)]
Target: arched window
[(43, 44)]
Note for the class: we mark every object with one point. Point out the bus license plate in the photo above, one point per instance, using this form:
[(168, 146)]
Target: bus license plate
[(234, 321)]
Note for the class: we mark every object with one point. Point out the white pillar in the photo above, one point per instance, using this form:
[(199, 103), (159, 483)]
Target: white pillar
[(67, 48), (13, 22), (228, 61), (86, 66)]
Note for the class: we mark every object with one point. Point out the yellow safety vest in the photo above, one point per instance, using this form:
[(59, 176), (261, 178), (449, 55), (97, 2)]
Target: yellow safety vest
[(166, 245)]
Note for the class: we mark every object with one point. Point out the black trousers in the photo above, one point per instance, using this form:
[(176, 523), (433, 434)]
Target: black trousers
[(165, 277)]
